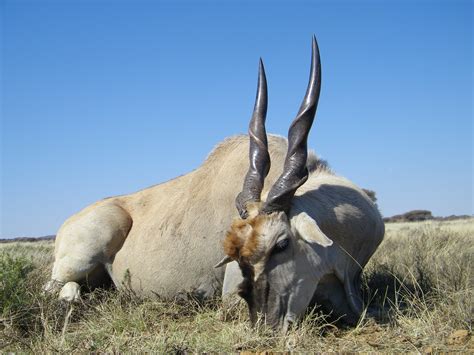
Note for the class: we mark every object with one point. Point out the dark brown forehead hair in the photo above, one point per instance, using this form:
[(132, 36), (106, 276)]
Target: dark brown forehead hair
[(242, 239)]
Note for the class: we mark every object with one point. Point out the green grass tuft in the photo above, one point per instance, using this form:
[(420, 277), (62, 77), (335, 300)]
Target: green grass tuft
[(13, 283)]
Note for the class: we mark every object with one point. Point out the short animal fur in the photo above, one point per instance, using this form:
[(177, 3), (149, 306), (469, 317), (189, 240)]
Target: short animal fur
[(284, 253)]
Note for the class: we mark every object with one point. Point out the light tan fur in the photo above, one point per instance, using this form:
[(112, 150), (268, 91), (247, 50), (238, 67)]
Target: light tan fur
[(164, 239)]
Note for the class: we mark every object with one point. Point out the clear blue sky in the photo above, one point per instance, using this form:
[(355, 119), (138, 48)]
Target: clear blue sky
[(101, 98)]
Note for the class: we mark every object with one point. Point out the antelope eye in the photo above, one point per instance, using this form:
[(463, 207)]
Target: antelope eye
[(281, 245)]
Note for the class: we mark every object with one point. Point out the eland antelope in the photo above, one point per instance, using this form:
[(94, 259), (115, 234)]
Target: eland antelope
[(302, 234)]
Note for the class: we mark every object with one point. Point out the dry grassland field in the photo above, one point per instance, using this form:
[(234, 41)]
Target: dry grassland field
[(419, 282)]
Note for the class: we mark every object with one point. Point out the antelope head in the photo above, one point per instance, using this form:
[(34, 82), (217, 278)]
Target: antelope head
[(275, 251)]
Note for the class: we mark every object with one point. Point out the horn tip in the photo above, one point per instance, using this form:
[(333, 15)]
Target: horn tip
[(261, 69), (315, 44)]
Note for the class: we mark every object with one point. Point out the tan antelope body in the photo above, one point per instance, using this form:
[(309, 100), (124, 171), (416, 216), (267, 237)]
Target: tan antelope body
[(167, 239)]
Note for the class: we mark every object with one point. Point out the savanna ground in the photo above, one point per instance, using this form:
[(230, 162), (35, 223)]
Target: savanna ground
[(420, 282)]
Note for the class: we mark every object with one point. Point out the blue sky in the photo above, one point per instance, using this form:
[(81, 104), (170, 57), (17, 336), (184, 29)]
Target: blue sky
[(101, 98)]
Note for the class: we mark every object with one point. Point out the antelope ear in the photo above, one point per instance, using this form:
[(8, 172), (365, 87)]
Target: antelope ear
[(225, 260), (308, 229)]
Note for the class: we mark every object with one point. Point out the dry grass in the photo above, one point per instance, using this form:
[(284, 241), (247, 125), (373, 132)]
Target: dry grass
[(419, 284)]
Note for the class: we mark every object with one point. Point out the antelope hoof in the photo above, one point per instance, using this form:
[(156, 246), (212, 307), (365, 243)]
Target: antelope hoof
[(70, 292)]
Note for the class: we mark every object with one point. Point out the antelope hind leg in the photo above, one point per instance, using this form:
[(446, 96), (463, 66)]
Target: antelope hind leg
[(86, 242)]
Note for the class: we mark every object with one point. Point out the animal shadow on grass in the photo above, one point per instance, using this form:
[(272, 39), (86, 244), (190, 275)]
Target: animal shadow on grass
[(387, 294)]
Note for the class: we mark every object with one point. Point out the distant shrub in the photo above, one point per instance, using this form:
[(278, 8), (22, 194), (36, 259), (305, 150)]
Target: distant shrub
[(411, 216), (13, 286)]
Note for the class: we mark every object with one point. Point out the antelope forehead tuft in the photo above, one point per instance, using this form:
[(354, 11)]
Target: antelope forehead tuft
[(244, 237)]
